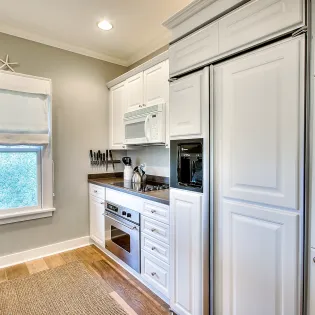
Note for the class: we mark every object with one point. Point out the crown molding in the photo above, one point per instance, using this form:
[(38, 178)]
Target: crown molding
[(150, 63), (187, 12), (149, 48), (61, 45)]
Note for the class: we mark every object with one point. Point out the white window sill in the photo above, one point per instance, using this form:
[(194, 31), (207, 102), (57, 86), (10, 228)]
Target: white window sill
[(25, 215)]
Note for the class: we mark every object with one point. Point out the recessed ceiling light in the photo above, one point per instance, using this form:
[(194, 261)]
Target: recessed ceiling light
[(105, 25)]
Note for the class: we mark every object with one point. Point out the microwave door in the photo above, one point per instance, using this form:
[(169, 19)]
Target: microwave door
[(135, 131)]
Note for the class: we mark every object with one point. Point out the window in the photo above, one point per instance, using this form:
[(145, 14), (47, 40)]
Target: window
[(20, 177), (26, 166)]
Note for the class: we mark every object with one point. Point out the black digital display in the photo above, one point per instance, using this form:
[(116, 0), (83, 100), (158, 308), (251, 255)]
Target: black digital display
[(111, 207)]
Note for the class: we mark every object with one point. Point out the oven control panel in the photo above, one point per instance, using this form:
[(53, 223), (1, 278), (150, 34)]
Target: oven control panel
[(123, 212)]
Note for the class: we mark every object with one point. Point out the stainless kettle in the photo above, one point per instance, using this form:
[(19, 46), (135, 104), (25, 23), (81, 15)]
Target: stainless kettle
[(136, 178)]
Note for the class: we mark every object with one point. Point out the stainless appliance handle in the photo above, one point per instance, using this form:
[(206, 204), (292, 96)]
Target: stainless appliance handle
[(127, 226), (146, 126)]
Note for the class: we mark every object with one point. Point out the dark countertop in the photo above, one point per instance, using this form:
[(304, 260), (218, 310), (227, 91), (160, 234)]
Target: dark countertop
[(161, 196)]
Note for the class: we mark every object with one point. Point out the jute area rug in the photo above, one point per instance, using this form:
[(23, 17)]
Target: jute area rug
[(69, 289)]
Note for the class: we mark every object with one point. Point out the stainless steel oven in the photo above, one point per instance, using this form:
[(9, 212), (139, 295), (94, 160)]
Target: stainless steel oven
[(122, 234)]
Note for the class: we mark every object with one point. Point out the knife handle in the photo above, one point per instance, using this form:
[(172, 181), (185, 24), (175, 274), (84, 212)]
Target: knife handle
[(91, 155)]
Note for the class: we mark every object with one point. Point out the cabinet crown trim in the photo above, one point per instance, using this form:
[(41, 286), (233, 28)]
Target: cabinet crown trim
[(147, 65), (187, 12)]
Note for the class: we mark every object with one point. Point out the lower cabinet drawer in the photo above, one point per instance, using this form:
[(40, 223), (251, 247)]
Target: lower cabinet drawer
[(155, 272), (97, 191), (155, 229), (158, 249)]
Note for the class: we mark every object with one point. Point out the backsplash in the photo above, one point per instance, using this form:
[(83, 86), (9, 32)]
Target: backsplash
[(156, 159)]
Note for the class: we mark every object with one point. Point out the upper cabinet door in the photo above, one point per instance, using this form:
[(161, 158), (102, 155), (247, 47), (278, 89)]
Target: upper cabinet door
[(257, 21), (195, 49), (186, 107), (261, 96), (134, 92), (156, 84), (117, 109)]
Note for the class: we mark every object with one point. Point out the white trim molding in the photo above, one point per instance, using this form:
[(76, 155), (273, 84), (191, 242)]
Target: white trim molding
[(61, 45), (144, 51), (40, 252), (197, 14), (150, 63), (25, 215)]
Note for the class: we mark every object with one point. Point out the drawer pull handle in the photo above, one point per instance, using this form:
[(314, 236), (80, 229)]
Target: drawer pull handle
[(95, 191), (153, 248), (153, 274), (153, 230), (153, 211)]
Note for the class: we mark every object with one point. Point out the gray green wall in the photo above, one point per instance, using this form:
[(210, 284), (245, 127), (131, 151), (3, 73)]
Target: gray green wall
[(80, 107)]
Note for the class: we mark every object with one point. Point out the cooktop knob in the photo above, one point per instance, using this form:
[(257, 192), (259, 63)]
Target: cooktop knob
[(124, 213), (128, 215)]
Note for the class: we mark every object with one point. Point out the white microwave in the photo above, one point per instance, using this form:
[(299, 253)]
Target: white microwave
[(145, 125)]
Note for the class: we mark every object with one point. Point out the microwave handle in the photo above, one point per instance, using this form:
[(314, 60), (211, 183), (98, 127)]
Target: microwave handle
[(146, 126)]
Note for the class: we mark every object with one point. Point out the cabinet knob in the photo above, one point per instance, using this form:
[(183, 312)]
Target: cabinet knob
[(153, 211), (140, 105), (102, 203), (314, 260), (153, 248), (153, 230), (95, 191), (153, 274)]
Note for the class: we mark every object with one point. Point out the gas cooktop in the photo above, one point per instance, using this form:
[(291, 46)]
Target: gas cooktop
[(149, 186)]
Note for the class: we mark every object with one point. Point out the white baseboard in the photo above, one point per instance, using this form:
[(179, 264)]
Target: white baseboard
[(39, 252)]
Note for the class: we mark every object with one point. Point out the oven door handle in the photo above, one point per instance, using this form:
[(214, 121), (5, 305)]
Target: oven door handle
[(127, 226)]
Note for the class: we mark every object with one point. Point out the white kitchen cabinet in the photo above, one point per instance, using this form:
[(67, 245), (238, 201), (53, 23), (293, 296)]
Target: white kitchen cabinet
[(257, 21), (186, 252), (97, 220), (117, 109), (312, 283), (134, 92), (186, 107), (155, 84), (260, 256), (259, 165), (195, 49)]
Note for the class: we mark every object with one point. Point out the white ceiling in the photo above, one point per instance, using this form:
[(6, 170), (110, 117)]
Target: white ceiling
[(72, 25)]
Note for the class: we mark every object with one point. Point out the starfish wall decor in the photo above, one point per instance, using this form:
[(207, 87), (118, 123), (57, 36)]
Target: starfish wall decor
[(7, 64)]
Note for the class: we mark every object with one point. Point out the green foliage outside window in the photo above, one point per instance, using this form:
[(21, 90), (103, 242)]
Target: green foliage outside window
[(18, 179)]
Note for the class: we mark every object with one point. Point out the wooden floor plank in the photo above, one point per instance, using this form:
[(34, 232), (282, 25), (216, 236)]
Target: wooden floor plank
[(54, 261), (122, 303), (35, 266), (88, 253), (17, 271), (69, 256), (3, 275), (129, 293)]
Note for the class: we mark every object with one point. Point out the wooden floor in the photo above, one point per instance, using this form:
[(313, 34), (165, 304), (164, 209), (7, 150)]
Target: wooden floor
[(131, 294)]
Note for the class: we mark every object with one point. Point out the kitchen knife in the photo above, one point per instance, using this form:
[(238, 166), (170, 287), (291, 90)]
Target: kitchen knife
[(111, 157), (99, 157), (94, 158), (103, 159), (106, 161), (91, 157)]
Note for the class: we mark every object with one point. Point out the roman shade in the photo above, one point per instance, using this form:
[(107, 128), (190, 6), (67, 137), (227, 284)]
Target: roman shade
[(24, 110)]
